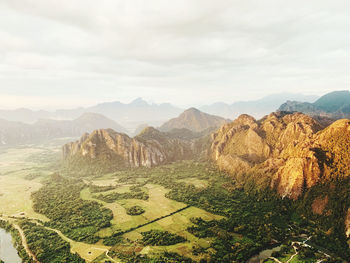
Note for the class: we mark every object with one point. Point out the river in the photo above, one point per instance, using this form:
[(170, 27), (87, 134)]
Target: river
[(8, 253)]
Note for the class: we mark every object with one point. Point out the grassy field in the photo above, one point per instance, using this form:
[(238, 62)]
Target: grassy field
[(15, 196), (177, 224), (15, 190), (86, 251), (155, 207)]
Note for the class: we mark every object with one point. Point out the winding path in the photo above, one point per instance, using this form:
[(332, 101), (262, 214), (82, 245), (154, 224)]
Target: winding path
[(24, 243), (106, 253), (70, 241), (23, 238), (296, 253), (275, 259)]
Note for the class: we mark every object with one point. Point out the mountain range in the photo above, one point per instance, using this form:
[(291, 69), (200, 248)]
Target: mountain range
[(106, 149), (139, 113), (43, 129), (129, 115), (257, 108), (289, 153), (184, 137), (334, 105)]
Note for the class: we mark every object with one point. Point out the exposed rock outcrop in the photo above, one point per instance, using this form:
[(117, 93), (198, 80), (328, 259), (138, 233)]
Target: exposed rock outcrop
[(150, 148), (291, 149), (319, 205), (347, 223)]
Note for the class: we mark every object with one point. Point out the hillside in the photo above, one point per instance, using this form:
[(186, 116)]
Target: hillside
[(108, 149), (14, 132), (333, 105), (288, 152), (194, 120)]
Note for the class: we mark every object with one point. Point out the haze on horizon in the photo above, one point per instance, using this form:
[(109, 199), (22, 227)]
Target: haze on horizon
[(61, 54)]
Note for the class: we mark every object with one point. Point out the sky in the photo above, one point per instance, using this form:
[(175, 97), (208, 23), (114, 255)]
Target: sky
[(64, 53)]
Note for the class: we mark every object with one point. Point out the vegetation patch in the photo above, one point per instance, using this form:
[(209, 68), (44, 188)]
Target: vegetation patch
[(97, 188), (59, 199), (161, 238), (17, 241), (112, 240), (135, 210), (47, 245), (112, 197)]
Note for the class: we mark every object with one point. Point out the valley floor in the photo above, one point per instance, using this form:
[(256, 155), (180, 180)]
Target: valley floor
[(186, 212)]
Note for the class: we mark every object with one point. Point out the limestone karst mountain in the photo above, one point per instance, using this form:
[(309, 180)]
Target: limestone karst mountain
[(289, 152), (194, 120), (334, 105), (114, 150)]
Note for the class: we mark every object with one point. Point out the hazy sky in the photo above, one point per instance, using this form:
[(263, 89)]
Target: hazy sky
[(60, 53)]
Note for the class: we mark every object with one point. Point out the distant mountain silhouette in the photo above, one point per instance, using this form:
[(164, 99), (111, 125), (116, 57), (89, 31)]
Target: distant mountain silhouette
[(256, 108), (130, 115), (334, 105), (43, 129), (194, 120)]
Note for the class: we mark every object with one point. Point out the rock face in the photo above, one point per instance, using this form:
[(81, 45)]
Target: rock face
[(150, 148), (292, 150), (194, 120), (347, 223)]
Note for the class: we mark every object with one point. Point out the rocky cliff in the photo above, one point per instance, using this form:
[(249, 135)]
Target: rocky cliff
[(293, 151), (150, 148)]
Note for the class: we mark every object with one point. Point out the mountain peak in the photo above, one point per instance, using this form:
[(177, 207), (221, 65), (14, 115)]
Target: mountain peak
[(333, 101), (192, 109), (90, 115), (194, 120), (148, 130), (334, 105), (139, 102)]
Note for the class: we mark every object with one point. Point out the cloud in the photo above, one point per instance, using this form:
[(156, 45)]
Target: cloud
[(222, 50)]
